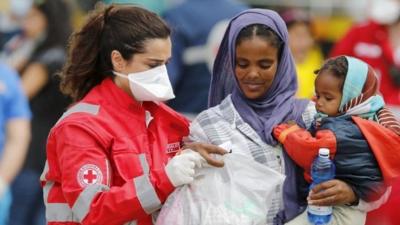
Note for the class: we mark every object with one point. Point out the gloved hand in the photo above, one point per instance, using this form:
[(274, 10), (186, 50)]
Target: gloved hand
[(181, 168)]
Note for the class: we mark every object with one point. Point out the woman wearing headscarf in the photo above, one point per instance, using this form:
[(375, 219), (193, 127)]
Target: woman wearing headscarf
[(252, 90)]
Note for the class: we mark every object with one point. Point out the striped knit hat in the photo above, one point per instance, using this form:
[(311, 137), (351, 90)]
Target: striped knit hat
[(360, 96)]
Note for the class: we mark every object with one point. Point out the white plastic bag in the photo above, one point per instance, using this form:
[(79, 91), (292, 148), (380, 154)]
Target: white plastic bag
[(238, 193)]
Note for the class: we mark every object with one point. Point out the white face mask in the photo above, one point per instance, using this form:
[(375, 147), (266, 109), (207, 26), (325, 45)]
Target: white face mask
[(150, 85)]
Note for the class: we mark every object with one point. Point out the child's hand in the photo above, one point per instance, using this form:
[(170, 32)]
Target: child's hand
[(282, 130)]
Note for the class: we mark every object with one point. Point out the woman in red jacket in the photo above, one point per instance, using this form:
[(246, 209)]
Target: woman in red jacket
[(110, 156)]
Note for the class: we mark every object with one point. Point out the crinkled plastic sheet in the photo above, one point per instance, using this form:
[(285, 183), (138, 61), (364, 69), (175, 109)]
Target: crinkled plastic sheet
[(239, 193)]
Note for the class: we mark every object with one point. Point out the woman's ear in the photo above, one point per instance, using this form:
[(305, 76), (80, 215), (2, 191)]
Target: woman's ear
[(117, 61)]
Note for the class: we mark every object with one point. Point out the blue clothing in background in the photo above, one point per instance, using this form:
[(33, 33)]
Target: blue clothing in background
[(13, 103), (191, 23)]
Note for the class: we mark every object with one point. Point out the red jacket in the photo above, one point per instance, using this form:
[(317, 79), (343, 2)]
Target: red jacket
[(370, 43), (106, 158)]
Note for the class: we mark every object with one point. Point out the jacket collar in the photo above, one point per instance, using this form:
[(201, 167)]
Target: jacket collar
[(118, 96)]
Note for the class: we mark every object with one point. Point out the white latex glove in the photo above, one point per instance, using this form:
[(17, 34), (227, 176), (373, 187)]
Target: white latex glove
[(181, 168)]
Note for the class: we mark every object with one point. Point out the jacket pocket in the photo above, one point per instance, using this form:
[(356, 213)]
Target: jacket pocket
[(128, 158)]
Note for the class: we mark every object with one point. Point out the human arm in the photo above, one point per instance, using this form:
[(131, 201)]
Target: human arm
[(301, 146), (39, 71), (34, 78), (131, 194), (15, 149), (17, 129), (338, 192)]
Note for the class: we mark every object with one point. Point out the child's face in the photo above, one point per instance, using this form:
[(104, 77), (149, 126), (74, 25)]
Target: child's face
[(329, 93)]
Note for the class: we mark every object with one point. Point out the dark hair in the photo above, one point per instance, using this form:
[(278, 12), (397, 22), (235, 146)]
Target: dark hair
[(121, 28), (262, 31), (59, 27), (337, 66)]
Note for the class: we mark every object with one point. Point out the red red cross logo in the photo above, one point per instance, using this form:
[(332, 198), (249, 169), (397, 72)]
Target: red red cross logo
[(89, 174)]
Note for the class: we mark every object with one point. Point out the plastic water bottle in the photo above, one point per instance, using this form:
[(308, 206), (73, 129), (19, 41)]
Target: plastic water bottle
[(322, 170)]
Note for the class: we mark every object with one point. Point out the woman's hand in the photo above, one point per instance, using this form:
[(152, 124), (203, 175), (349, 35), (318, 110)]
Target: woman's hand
[(205, 150), (332, 192)]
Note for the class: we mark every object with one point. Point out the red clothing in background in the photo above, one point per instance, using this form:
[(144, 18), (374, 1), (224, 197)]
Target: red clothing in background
[(370, 43)]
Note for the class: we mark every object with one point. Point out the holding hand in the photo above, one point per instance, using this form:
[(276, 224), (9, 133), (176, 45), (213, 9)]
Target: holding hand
[(332, 192), (205, 150), (180, 169)]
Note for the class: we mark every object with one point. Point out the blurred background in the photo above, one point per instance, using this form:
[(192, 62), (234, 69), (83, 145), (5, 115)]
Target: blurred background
[(34, 36)]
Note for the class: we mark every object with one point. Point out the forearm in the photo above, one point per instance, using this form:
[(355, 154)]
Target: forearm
[(15, 148), (367, 190), (34, 79)]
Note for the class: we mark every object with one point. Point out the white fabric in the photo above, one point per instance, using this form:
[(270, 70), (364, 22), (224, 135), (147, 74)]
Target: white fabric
[(181, 168), (150, 85)]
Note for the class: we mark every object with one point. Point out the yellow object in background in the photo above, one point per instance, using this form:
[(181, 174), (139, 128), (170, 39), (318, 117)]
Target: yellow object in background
[(331, 28), (4, 6), (305, 73)]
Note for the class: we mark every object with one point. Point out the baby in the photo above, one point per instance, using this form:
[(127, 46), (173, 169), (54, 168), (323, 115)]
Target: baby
[(346, 95)]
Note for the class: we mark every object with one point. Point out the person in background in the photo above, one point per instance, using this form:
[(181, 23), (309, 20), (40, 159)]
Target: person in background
[(10, 19), (379, 47), (47, 23), (15, 133), (252, 90), (111, 156), (16, 48), (307, 56), (197, 29)]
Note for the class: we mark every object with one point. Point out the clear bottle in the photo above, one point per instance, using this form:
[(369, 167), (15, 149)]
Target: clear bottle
[(322, 169)]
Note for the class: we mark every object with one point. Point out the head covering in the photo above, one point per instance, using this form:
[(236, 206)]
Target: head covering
[(360, 85), (360, 98), (278, 104)]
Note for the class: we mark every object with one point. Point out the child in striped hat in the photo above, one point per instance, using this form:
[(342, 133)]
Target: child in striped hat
[(354, 124)]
